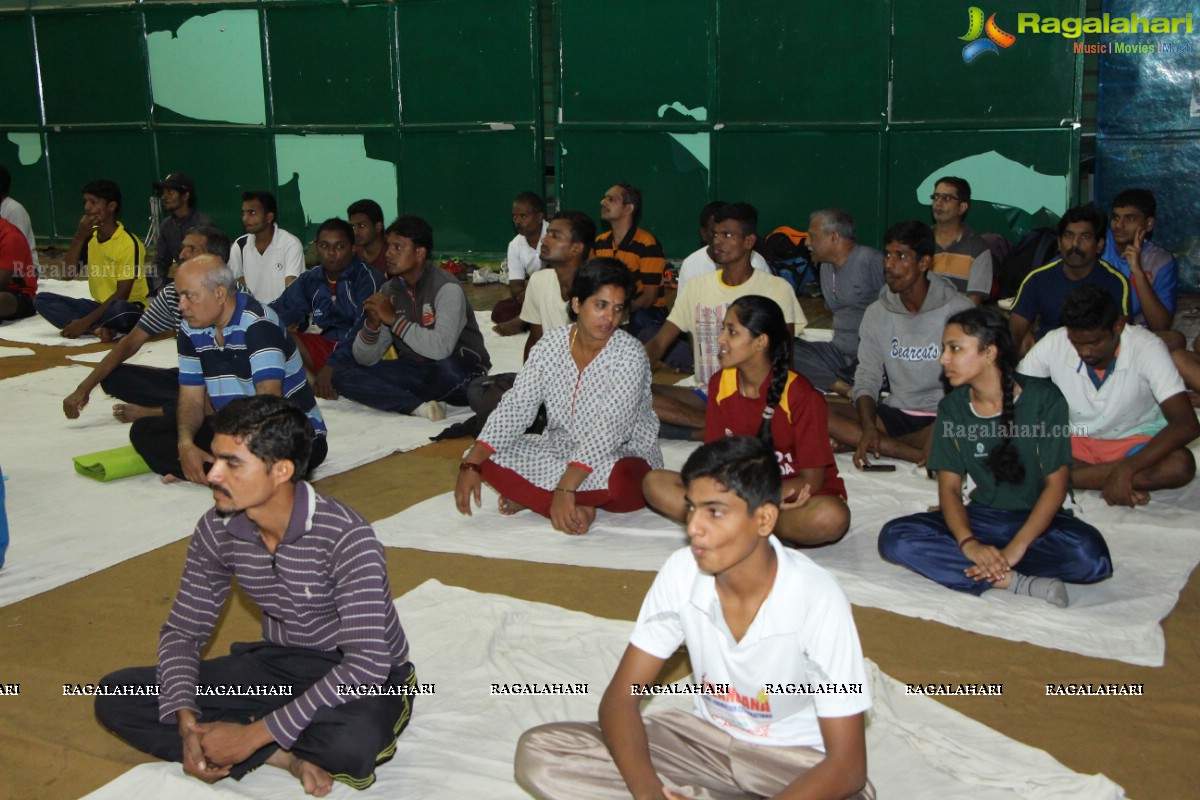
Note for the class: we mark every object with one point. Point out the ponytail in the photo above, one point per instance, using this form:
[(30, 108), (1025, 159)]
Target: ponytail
[(780, 365)]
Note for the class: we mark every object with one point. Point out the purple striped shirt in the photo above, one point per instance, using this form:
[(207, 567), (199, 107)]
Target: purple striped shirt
[(325, 588)]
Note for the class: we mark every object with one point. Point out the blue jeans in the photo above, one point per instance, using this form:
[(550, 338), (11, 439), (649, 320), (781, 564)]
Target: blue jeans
[(120, 317), (402, 385), (1070, 549)]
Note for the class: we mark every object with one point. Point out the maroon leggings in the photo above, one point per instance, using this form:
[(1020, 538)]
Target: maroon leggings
[(624, 492)]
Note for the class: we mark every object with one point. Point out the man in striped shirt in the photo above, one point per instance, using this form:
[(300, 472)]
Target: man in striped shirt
[(144, 391), (639, 251), (330, 687), (229, 347)]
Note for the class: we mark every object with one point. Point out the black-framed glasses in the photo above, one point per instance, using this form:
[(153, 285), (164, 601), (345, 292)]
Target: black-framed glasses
[(943, 197)]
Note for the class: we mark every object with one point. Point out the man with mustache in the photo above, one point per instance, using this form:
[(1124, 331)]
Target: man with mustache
[(1081, 238), (1130, 416), (329, 688)]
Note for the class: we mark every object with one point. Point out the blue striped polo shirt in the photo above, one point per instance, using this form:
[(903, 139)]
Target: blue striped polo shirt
[(256, 349)]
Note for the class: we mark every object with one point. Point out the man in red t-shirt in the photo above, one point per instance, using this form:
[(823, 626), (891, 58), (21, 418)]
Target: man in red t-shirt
[(18, 278)]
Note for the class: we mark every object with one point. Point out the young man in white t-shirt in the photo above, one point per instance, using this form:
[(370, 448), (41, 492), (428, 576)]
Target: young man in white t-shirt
[(1130, 412), (699, 310), (267, 258), (782, 691)]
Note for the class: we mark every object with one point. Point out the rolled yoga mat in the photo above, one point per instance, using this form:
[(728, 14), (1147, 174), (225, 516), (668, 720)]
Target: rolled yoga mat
[(111, 465)]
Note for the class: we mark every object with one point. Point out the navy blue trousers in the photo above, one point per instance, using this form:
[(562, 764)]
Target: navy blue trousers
[(60, 311), (1070, 549), (401, 385)]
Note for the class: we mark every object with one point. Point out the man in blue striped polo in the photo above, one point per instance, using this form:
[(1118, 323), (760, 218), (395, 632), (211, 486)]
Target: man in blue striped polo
[(229, 347)]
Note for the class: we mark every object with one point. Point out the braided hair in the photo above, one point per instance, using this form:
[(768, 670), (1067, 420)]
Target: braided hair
[(759, 315), (988, 327)]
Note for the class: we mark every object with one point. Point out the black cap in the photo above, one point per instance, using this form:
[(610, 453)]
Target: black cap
[(177, 181)]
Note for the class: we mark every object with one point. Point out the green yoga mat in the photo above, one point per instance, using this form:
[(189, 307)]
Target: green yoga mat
[(111, 465)]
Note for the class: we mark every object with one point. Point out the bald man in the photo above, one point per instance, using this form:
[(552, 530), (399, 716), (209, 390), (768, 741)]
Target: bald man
[(229, 347)]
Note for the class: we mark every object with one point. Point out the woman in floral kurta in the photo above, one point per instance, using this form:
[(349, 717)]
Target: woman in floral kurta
[(601, 436)]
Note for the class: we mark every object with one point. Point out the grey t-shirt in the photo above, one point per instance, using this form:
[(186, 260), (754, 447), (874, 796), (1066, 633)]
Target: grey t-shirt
[(848, 290)]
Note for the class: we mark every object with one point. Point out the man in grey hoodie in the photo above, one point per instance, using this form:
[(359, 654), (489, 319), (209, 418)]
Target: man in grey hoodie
[(900, 338)]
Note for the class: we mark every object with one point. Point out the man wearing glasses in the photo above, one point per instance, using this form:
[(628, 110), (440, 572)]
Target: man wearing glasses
[(960, 254), (332, 297)]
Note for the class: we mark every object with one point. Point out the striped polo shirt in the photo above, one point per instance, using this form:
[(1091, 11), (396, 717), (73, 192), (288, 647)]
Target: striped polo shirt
[(256, 349), (324, 588), (162, 314), (641, 253)]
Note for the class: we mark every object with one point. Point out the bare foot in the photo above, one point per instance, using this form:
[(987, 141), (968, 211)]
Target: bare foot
[(104, 334), (170, 479), (315, 780), (509, 507), (510, 327), (128, 412), (1140, 498)]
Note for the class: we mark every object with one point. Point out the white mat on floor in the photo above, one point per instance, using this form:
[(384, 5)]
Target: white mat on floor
[(10, 352), (35, 330), (1154, 550), (462, 739), (64, 526)]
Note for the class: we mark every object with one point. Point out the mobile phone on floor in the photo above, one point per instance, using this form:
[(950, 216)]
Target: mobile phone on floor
[(879, 468)]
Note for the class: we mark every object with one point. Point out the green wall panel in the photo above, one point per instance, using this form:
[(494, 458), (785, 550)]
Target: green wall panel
[(78, 157), (21, 153), (331, 65), (799, 62), (227, 46), (1030, 83), (1014, 174), (20, 105), (327, 173), (464, 183), (789, 174), (625, 60), (673, 181), (223, 165), (468, 61), (84, 84)]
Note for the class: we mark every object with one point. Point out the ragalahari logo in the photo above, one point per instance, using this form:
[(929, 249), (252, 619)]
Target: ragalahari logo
[(979, 43)]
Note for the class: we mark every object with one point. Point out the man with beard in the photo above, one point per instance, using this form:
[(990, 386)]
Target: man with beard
[(423, 313), (700, 311), (178, 193), (1130, 416), (1081, 233), (529, 223)]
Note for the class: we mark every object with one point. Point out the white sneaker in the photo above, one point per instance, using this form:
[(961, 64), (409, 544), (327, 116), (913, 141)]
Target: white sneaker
[(431, 410)]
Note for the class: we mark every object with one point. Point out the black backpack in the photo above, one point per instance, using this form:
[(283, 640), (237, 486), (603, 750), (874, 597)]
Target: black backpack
[(1036, 249)]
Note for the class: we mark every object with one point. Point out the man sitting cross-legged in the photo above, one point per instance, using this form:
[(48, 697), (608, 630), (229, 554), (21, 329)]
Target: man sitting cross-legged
[(145, 391), (1130, 413), (900, 338), (229, 347), (330, 687), (761, 624), (424, 314)]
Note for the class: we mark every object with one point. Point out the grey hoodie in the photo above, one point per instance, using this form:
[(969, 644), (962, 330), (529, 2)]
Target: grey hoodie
[(906, 347)]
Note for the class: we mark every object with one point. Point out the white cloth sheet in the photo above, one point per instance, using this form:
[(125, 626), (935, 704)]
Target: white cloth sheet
[(1154, 550), (35, 330), (462, 738), (11, 352)]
